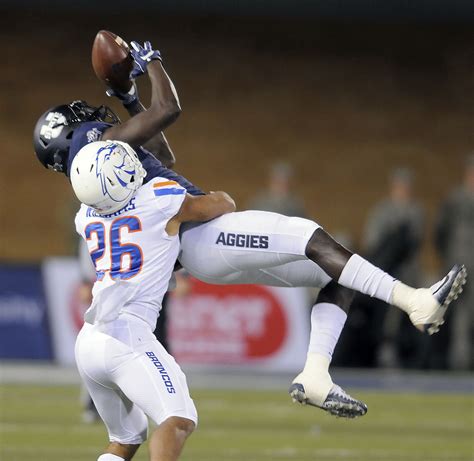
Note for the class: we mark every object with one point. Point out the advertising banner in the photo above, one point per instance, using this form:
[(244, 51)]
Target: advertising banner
[(62, 284), (236, 325), (254, 325), (24, 332)]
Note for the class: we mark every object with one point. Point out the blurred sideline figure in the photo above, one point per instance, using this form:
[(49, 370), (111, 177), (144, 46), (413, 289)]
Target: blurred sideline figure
[(392, 240), (278, 196), (88, 277), (454, 238), (250, 246)]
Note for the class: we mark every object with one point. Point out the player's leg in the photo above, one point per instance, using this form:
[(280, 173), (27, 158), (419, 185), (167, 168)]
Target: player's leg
[(304, 273), (118, 452), (167, 440), (243, 241), (154, 381), (426, 306), (126, 423), (229, 250), (223, 250), (314, 385)]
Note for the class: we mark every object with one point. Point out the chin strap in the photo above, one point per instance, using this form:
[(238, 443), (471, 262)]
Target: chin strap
[(58, 163)]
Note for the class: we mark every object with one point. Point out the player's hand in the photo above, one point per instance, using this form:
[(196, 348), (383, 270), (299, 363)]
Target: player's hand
[(142, 56), (127, 99)]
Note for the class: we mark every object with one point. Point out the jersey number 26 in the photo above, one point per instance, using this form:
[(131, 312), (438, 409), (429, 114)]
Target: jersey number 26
[(118, 250)]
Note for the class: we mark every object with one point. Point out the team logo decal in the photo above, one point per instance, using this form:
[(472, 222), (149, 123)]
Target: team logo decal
[(55, 124), (93, 135), (115, 165)]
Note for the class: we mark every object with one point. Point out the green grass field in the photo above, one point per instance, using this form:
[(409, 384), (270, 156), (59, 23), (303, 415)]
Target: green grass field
[(43, 424)]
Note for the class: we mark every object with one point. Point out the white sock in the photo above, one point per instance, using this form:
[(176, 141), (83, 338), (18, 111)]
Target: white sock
[(109, 457), (327, 322), (315, 378), (366, 278)]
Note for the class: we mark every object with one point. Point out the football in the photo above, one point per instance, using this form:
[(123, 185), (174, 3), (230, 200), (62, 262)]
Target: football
[(112, 61)]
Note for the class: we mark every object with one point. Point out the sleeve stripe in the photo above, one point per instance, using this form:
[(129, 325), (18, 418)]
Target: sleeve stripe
[(165, 183), (160, 192)]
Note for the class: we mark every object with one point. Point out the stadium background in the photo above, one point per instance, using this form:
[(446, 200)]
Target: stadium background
[(344, 101), (345, 91)]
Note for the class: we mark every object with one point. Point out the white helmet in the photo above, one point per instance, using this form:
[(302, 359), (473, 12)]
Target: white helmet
[(106, 174)]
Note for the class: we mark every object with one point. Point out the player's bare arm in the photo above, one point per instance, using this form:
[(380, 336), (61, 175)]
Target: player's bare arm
[(158, 145), (205, 207), (201, 208), (118, 66), (163, 111)]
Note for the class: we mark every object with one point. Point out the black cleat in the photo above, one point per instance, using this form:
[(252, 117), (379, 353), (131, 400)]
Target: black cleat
[(337, 403)]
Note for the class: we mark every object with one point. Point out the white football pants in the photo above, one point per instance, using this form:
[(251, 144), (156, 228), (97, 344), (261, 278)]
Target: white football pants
[(256, 247), (129, 375)]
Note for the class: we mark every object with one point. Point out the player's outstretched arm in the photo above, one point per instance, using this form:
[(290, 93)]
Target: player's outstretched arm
[(160, 148), (158, 145), (201, 208), (163, 111), (205, 207)]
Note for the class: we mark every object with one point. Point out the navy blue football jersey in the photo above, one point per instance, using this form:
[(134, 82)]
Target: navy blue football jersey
[(88, 132)]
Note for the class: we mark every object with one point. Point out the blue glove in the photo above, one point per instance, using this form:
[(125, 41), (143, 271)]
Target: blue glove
[(142, 56), (127, 99)]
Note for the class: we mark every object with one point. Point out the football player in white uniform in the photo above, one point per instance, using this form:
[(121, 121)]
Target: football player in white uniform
[(132, 234), (252, 246)]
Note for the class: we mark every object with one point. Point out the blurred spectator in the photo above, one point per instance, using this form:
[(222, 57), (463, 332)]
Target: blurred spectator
[(161, 329), (393, 237), (278, 196), (88, 276), (454, 239)]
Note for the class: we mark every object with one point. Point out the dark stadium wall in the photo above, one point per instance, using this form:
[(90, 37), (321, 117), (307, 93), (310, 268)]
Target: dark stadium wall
[(345, 103), (388, 10)]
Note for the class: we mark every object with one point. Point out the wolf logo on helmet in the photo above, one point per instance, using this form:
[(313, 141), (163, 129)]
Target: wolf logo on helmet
[(106, 174)]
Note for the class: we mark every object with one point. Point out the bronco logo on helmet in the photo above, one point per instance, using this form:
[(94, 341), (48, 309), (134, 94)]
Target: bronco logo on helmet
[(106, 174)]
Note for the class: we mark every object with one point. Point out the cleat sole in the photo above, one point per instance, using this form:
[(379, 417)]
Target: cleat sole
[(454, 292), (457, 287)]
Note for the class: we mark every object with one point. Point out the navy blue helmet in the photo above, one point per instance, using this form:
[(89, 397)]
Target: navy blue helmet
[(55, 128)]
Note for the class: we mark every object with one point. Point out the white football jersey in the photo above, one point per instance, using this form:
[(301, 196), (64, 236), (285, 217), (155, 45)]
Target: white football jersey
[(133, 255)]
